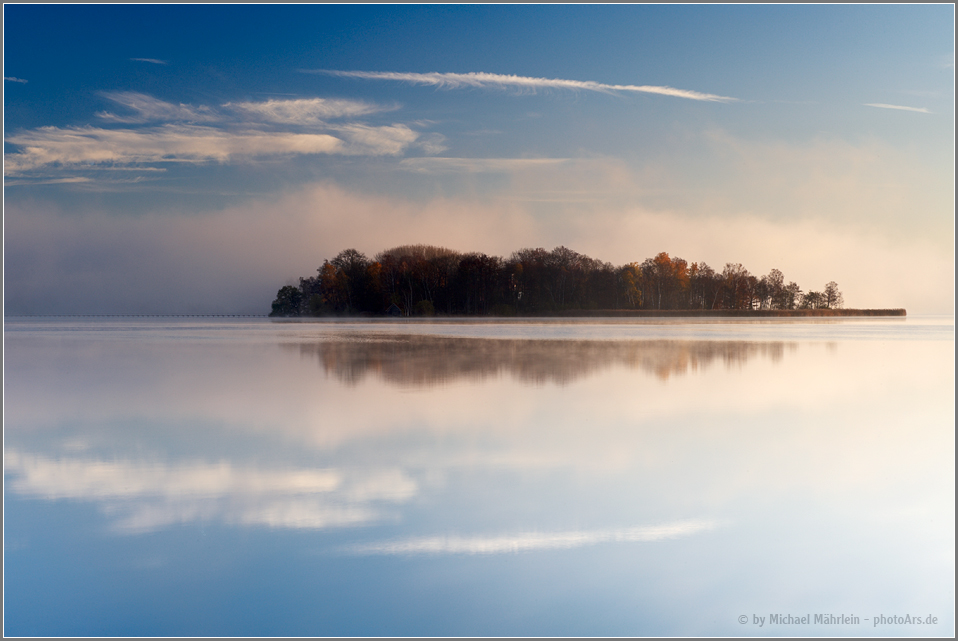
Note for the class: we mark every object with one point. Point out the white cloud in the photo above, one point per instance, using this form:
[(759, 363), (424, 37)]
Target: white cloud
[(305, 111), (197, 134), (433, 143), (532, 541), (12, 79), (76, 146), (150, 109), (152, 60), (481, 80), (389, 140), (80, 146), (921, 110), (49, 181)]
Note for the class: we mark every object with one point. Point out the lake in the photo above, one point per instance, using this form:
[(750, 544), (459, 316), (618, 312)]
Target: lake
[(248, 477)]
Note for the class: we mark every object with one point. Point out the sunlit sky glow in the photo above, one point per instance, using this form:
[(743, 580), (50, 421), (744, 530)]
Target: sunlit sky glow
[(198, 165)]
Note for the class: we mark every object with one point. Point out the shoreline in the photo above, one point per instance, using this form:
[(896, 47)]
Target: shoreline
[(630, 313), (576, 313), (743, 313)]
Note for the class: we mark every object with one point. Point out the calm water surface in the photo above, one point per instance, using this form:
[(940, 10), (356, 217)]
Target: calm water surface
[(246, 477)]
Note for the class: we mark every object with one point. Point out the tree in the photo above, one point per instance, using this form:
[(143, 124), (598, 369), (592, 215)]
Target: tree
[(351, 277), (738, 286), (631, 277), (287, 303), (704, 286), (425, 308), (563, 266), (600, 288), (833, 297), (791, 296), (660, 268), (478, 284), (333, 286), (530, 267), (775, 290), (812, 300), (423, 279)]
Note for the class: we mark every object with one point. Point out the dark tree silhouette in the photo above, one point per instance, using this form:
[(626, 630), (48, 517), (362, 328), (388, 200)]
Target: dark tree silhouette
[(422, 280), (833, 297), (287, 302)]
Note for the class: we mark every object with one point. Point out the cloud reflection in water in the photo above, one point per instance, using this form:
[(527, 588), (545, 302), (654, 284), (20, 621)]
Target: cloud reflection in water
[(146, 496), (529, 541)]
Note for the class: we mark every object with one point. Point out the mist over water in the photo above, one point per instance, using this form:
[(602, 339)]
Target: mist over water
[(221, 477)]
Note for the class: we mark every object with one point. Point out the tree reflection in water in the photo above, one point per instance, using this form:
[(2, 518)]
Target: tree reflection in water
[(438, 360)]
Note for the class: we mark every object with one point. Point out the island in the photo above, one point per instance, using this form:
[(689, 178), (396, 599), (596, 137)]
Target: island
[(425, 280)]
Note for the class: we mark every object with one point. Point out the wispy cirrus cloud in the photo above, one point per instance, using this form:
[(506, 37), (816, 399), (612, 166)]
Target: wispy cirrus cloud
[(146, 108), (151, 60), (169, 143), (305, 111), (49, 181), (880, 105), (532, 541), (12, 79), (482, 80)]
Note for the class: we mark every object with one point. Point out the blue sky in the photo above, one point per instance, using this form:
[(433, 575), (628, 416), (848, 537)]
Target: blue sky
[(192, 159)]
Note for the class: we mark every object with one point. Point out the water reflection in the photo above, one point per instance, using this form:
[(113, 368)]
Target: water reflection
[(689, 475), (140, 495), (342, 474), (529, 541), (438, 360)]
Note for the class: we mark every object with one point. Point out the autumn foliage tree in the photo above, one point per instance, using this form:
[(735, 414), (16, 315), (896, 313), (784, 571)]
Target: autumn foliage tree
[(426, 280)]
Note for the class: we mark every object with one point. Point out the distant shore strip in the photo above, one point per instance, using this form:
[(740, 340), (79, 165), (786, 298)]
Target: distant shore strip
[(742, 313), (597, 313)]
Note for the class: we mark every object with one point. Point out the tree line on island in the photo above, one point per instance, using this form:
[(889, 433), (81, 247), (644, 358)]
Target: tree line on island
[(423, 280)]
